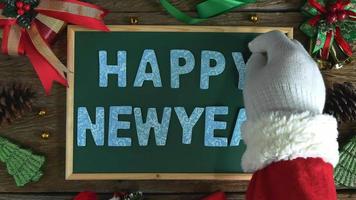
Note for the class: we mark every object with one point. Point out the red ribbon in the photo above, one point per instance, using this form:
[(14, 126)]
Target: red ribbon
[(321, 9), (325, 50), (342, 43), (33, 42), (338, 6)]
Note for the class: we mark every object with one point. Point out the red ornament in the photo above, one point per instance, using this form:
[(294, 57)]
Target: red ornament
[(341, 15), (19, 4), (331, 18), (26, 7), (20, 12)]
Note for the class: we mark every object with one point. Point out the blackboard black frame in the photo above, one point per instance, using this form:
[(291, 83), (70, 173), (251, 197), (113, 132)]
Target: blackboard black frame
[(70, 175)]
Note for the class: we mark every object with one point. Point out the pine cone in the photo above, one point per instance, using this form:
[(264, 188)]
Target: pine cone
[(14, 102), (341, 102)]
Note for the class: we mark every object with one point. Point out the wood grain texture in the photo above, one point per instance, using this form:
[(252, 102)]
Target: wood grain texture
[(27, 130), (173, 196), (189, 5)]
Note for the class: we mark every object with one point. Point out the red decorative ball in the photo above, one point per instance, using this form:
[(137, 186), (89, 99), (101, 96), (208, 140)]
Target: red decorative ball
[(19, 4), (341, 15), (20, 12), (331, 18), (26, 7)]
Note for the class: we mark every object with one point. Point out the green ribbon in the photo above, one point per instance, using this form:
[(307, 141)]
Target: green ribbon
[(205, 9)]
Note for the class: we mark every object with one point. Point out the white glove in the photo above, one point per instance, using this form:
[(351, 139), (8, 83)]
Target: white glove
[(281, 76), (284, 96)]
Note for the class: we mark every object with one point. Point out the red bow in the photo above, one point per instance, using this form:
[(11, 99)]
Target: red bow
[(33, 42), (331, 14)]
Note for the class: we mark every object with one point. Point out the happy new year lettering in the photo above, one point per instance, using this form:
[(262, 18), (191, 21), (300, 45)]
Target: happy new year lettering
[(144, 125), (149, 60)]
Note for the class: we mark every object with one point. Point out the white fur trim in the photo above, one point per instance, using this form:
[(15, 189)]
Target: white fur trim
[(277, 136)]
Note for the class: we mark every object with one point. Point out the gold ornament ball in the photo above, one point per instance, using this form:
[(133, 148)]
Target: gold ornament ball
[(254, 18), (42, 113), (45, 135)]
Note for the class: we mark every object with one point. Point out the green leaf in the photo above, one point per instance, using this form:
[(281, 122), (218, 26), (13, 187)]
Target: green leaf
[(9, 11)]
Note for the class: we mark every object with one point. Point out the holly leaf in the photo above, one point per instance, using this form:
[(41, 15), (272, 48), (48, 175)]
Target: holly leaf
[(9, 11)]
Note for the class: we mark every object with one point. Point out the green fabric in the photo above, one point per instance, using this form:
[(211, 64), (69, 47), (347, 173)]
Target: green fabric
[(206, 9), (21, 163), (321, 38)]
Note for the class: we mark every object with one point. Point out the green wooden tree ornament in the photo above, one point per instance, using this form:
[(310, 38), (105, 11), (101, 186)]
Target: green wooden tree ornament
[(345, 170), (22, 164)]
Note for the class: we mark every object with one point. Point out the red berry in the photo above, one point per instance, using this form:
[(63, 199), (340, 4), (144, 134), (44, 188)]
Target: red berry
[(20, 12), (19, 4), (26, 7), (341, 15)]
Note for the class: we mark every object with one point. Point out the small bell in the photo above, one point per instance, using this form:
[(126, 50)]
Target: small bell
[(254, 18), (42, 113), (339, 58), (45, 135), (133, 20)]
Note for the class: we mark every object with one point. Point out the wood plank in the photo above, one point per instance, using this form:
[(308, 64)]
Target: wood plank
[(189, 5), (342, 195), (27, 130)]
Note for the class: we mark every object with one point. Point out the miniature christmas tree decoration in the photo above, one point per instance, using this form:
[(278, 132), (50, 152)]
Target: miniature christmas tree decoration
[(23, 165), (345, 170)]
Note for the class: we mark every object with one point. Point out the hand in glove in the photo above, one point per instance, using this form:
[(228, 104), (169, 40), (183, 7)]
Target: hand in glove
[(291, 145)]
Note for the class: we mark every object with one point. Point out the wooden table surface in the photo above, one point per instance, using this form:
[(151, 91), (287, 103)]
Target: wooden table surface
[(27, 130)]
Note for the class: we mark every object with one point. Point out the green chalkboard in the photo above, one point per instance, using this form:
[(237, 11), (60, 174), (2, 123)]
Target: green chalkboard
[(174, 160)]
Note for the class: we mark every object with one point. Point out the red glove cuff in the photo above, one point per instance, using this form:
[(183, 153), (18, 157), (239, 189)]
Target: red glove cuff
[(298, 179)]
